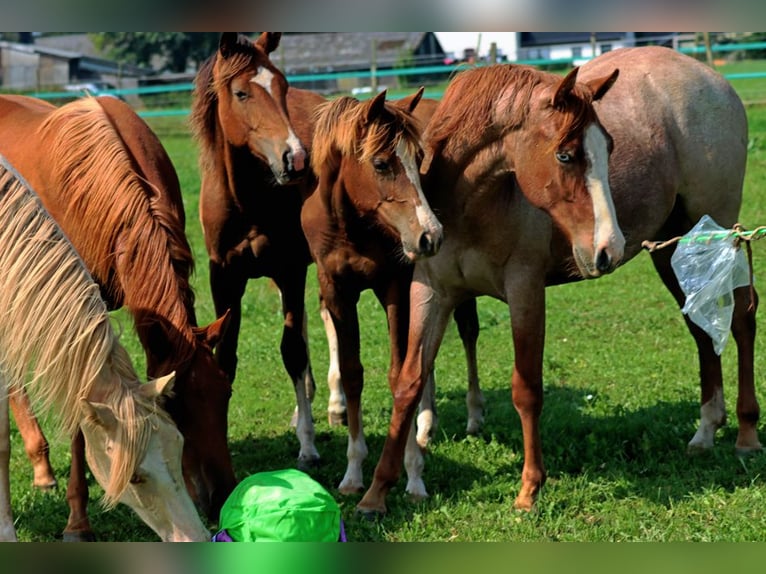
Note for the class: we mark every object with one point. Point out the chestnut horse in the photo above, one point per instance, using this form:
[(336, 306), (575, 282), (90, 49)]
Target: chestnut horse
[(366, 222), (57, 341), (255, 174), (509, 151), (107, 180)]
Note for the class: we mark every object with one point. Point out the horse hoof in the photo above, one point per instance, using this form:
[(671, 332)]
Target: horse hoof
[(307, 464), (46, 486), (370, 515), (337, 419), (79, 536), (696, 449), (748, 450)]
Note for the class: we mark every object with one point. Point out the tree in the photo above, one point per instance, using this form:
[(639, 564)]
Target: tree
[(175, 50)]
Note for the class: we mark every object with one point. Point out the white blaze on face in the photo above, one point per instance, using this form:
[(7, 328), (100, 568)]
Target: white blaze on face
[(607, 233), (426, 217), (264, 78)]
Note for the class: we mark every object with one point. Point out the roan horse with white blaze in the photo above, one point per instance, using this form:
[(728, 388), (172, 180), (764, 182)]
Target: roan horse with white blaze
[(57, 341), (508, 150), (680, 149)]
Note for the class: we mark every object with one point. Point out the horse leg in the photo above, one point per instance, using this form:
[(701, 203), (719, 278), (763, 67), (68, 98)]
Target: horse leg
[(345, 318), (526, 297), (336, 404), (743, 328), (428, 321), (78, 527), (712, 409), (227, 287), (7, 529), (467, 320), (295, 356), (35, 443)]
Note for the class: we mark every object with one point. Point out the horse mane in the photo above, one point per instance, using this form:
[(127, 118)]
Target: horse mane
[(56, 336), (341, 129), (476, 97), (120, 214)]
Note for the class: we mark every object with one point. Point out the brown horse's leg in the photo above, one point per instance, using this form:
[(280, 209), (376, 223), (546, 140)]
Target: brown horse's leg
[(712, 410), (743, 328), (344, 314), (7, 529), (295, 356), (467, 320), (35, 443), (78, 526), (527, 305), (227, 286), (428, 320)]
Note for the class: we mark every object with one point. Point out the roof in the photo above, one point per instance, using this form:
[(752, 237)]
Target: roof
[(334, 51), (529, 39)]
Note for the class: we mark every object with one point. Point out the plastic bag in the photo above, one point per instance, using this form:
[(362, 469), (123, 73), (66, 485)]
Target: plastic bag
[(708, 270)]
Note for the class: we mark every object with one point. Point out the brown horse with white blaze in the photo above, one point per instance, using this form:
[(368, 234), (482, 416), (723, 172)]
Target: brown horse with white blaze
[(508, 150), (106, 179), (254, 176), (366, 222)]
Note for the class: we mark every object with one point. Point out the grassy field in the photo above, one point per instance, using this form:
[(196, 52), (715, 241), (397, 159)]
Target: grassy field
[(621, 402)]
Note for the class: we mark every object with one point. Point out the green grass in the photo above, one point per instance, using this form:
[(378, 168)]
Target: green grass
[(621, 402)]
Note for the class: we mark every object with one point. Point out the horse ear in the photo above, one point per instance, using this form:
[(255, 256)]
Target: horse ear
[(268, 41), (565, 87), (227, 42), (98, 414), (213, 333), (161, 386), (376, 106), (410, 102), (600, 86)]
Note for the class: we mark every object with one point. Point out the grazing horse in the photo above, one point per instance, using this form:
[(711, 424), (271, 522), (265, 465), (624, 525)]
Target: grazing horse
[(107, 180), (366, 222), (515, 166), (57, 341)]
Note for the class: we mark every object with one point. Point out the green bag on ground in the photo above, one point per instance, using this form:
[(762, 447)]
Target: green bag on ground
[(281, 506)]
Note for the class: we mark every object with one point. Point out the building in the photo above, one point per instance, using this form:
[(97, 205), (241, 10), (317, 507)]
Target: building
[(37, 66), (306, 57), (573, 46)]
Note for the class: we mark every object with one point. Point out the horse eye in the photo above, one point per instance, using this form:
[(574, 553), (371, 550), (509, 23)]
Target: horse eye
[(380, 165), (563, 156), (137, 479), (240, 95)]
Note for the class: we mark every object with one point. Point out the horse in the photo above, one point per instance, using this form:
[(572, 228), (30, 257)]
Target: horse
[(110, 184), (671, 164), (515, 163), (57, 341), (254, 175), (366, 221)]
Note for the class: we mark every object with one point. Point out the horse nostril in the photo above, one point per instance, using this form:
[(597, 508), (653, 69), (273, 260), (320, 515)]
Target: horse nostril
[(603, 261), (425, 244)]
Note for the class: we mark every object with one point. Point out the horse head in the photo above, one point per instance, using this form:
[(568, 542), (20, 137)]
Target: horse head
[(135, 454), (560, 162), (251, 104), (368, 152)]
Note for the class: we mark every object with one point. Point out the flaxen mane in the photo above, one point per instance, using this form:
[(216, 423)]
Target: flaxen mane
[(474, 97), (341, 130), (56, 336), (122, 222)]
